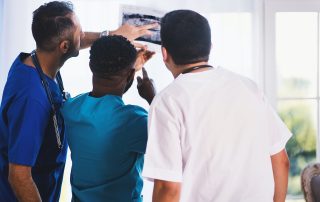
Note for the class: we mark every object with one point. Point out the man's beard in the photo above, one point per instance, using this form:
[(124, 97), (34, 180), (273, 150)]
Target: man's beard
[(72, 52), (129, 84)]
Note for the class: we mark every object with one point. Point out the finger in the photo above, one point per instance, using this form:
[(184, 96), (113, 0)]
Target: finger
[(146, 58), (144, 73), (148, 26), (139, 45), (148, 55), (144, 32), (140, 52)]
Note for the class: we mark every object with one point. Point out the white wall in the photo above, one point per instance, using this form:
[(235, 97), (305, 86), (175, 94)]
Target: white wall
[(16, 32), (234, 22)]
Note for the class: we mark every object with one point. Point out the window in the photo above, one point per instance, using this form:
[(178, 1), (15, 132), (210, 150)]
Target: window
[(292, 57), (297, 91)]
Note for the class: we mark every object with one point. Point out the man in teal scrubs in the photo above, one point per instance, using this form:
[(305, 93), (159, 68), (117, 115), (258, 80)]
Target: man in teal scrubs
[(108, 138)]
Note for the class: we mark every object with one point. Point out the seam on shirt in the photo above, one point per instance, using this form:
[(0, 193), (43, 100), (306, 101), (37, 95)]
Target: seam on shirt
[(281, 145), (151, 173)]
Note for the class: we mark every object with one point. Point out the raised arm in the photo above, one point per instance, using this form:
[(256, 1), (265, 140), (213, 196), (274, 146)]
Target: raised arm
[(165, 191), (129, 31), (22, 184), (280, 167)]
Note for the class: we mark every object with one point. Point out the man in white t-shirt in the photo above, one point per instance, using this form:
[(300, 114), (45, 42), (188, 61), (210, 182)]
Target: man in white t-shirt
[(212, 135)]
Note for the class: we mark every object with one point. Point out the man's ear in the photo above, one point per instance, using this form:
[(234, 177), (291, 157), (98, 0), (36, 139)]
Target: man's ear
[(64, 46), (164, 54)]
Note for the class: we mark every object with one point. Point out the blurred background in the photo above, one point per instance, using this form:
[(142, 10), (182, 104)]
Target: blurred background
[(273, 42)]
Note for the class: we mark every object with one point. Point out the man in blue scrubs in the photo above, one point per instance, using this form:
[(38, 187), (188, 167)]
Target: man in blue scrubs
[(32, 146), (108, 138)]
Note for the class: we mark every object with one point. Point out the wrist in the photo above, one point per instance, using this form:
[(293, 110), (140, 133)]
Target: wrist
[(112, 33), (104, 33), (149, 99)]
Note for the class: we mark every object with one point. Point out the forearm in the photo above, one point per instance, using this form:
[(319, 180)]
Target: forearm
[(89, 38), (129, 31), (165, 196), (280, 166), (164, 193), (23, 186)]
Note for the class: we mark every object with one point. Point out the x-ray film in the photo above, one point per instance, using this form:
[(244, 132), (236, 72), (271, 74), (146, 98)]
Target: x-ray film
[(136, 15)]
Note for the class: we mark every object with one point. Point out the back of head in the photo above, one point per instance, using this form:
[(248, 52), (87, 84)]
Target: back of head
[(187, 36), (51, 23), (111, 55)]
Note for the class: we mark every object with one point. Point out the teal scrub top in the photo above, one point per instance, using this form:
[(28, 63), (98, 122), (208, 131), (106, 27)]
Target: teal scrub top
[(107, 140)]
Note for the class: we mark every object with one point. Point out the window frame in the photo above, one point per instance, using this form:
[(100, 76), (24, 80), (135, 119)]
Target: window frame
[(270, 66)]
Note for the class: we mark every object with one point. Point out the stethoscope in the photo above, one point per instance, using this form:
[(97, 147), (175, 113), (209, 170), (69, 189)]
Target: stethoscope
[(45, 84)]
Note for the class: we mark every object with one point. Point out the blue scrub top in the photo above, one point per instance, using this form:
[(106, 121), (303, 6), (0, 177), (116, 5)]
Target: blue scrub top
[(26, 132), (107, 140)]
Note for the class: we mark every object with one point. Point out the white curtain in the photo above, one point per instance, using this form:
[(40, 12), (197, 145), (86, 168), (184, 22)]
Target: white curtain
[(2, 72), (236, 35)]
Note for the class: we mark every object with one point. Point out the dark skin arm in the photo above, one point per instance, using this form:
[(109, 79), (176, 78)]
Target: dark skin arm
[(165, 191), (129, 31), (22, 184), (280, 167)]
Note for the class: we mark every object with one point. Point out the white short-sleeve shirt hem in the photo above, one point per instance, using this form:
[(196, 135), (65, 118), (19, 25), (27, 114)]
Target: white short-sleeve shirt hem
[(280, 145), (161, 174)]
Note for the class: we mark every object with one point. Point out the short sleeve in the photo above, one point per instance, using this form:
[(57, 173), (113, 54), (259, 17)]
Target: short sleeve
[(279, 134), (139, 132), (163, 159), (27, 121)]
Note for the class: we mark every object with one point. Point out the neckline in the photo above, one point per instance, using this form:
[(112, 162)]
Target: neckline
[(23, 56), (102, 97), (193, 68)]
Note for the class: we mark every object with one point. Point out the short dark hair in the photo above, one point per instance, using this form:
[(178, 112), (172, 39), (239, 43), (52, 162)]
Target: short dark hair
[(187, 36), (51, 22), (111, 54)]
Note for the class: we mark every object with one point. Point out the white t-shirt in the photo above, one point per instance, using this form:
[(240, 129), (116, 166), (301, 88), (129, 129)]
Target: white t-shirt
[(214, 132)]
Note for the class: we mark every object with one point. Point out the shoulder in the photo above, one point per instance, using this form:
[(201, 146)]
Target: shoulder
[(22, 75), (169, 97), (242, 82), (133, 117), (135, 111), (72, 103), (76, 99), (23, 83), (135, 120)]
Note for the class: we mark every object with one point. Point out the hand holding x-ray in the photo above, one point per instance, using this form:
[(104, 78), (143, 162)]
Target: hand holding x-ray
[(143, 56), (141, 17)]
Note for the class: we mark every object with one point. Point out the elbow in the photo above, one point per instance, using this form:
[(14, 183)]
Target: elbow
[(18, 174), (286, 163), (170, 191), (281, 159), (13, 179)]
